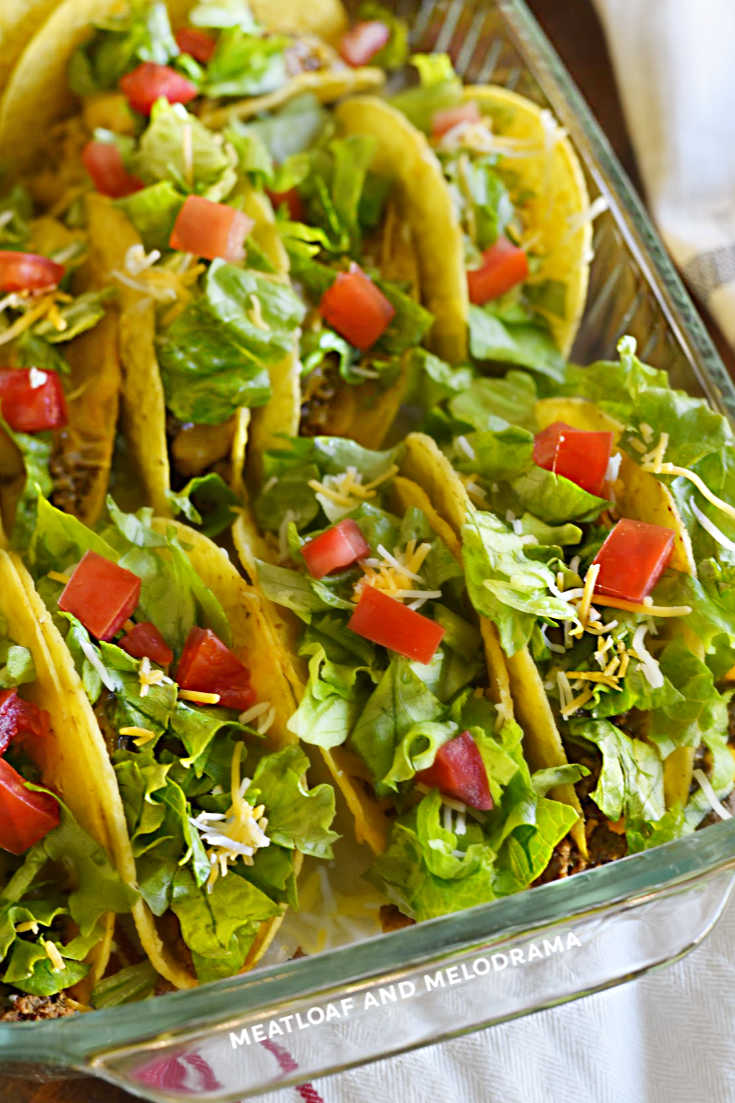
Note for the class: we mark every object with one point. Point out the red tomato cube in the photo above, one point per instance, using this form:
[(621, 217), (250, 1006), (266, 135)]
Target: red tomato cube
[(28, 272), (149, 81), (208, 665), (578, 454), (363, 41), (25, 816), (103, 161), (335, 549), (385, 621), (292, 199), (144, 641), (449, 117), (503, 266), (31, 399), (20, 718), (632, 559), (101, 595), (210, 230), (458, 771), (196, 43), (356, 308)]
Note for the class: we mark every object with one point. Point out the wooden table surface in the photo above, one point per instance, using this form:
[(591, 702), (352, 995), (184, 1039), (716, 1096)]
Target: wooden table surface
[(575, 31)]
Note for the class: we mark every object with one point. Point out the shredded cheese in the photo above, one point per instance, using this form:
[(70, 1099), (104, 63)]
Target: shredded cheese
[(704, 490), (56, 576), (199, 696), (29, 925), (392, 573), (140, 736), (640, 607), (711, 528), (94, 660), (236, 834), (52, 953), (149, 676), (714, 801), (466, 447), (589, 585), (647, 664), (656, 455), (347, 489)]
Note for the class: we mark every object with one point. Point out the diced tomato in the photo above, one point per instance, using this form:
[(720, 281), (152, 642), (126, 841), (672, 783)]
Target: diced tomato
[(101, 595), (335, 549), (356, 308), (458, 771), (632, 559), (503, 266), (31, 399), (386, 622), (149, 81), (28, 272), (25, 816), (210, 230), (208, 665), (363, 41), (144, 641), (292, 199), (577, 454), (20, 718), (449, 117), (196, 43), (103, 161)]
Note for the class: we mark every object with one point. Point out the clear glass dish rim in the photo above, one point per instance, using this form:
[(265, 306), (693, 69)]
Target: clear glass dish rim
[(75, 1039)]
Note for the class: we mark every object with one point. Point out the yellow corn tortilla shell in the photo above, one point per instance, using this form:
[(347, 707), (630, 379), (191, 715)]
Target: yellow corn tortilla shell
[(327, 19), (404, 155), (253, 641), (327, 86), (70, 755), (19, 21), (82, 453), (517, 683), (366, 412), (415, 486), (550, 175), (579, 413), (143, 400), (37, 93), (639, 494), (642, 497)]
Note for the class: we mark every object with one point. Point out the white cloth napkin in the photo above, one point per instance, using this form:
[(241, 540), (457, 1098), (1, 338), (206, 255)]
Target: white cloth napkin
[(675, 66), (666, 1038)]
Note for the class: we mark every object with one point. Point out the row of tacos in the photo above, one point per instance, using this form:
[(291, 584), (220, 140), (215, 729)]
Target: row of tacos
[(488, 588)]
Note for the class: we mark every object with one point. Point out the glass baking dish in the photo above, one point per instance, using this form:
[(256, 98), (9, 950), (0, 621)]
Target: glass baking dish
[(287, 1023)]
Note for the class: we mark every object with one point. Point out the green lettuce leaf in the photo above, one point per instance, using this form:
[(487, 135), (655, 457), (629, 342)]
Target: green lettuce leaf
[(528, 344), (119, 43), (299, 818), (504, 584), (214, 356), (178, 148), (245, 64), (631, 781)]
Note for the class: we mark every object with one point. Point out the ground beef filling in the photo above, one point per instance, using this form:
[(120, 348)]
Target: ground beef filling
[(25, 1009)]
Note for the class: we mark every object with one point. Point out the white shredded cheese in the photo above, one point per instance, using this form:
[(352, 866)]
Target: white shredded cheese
[(714, 802), (613, 467), (466, 447), (710, 527), (94, 660), (646, 662), (37, 378)]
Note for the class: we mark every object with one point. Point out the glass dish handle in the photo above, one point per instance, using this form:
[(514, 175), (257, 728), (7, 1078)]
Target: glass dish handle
[(284, 1044)]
